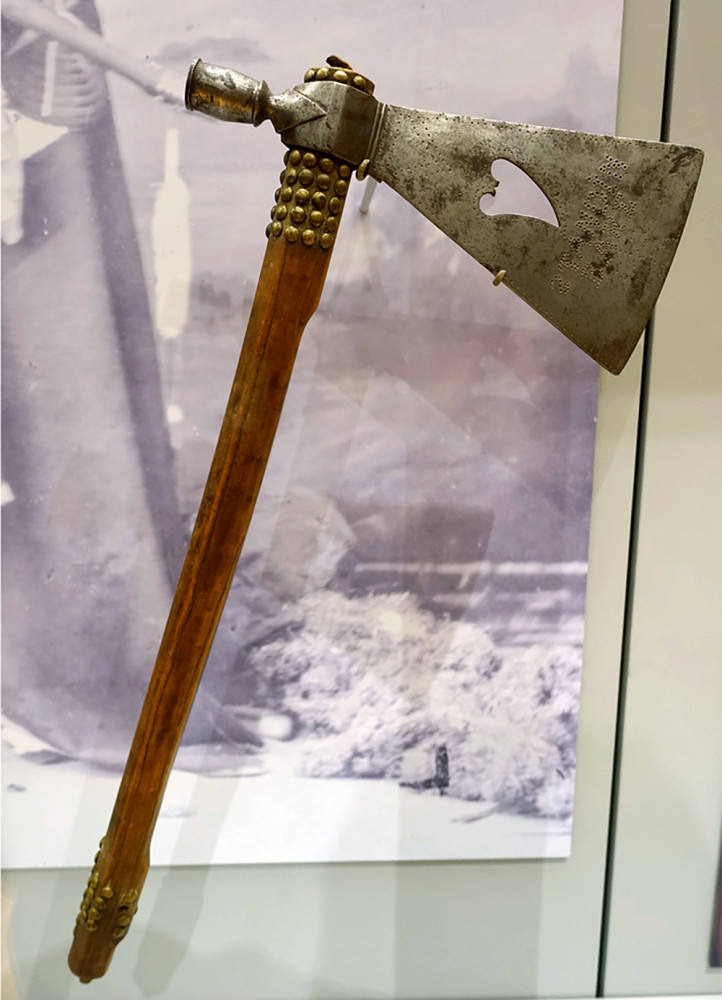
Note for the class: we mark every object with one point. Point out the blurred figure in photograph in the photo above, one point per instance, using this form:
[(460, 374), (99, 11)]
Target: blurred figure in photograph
[(92, 537)]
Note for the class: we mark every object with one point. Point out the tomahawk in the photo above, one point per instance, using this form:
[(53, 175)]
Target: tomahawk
[(620, 205)]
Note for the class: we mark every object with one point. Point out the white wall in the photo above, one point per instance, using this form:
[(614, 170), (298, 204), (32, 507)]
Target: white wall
[(670, 807)]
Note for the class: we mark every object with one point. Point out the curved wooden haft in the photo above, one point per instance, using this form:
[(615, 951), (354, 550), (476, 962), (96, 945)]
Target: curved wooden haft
[(301, 235)]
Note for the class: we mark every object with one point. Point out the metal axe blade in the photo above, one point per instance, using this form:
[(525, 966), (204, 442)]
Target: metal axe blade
[(621, 205)]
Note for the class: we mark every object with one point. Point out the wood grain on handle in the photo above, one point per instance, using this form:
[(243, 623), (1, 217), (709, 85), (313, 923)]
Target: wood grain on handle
[(305, 218)]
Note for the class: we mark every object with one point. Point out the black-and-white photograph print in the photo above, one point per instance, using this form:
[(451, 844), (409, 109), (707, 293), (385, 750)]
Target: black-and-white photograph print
[(397, 671)]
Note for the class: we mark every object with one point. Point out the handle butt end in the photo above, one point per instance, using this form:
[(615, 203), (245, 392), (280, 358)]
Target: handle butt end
[(88, 958), (108, 906)]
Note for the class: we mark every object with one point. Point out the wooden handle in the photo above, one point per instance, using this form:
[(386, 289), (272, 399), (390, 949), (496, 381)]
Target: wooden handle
[(301, 235)]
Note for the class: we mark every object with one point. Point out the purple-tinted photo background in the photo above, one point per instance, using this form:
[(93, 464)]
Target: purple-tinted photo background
[(407, 619)]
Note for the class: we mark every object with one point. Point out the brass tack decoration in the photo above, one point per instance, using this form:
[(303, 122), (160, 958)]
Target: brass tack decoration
[(362, 168), (309, 178)]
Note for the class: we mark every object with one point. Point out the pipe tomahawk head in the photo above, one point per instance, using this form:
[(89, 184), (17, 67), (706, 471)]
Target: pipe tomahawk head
[(620, 204)]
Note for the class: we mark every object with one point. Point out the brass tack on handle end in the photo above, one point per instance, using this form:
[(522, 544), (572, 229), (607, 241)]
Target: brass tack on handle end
[(107, 908)]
